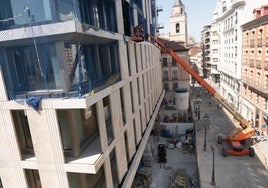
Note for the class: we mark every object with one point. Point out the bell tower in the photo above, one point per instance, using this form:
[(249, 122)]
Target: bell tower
[(178, 22)]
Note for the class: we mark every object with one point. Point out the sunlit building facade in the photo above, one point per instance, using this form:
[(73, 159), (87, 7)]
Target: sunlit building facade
[(78, 98)]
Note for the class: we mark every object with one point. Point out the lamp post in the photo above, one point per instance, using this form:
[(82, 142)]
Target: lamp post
[(213, 173), (206, 118), (205, 138)]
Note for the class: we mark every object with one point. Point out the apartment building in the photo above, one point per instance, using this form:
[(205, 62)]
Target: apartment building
[(255, 69), (214, 51), (229, 16), (174, 76), (78, 98), (205, 40)]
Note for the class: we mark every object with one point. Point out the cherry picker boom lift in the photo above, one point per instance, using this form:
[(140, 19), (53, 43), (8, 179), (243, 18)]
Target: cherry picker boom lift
[(238, 134)]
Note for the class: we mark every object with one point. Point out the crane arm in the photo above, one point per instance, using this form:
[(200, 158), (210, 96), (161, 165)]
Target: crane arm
[(243, 122)]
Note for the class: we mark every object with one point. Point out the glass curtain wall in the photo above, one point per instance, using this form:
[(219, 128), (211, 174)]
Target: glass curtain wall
[(25, 72), (15, 13)]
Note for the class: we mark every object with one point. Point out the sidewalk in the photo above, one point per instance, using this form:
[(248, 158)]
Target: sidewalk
[(261, 147), (230, 171)]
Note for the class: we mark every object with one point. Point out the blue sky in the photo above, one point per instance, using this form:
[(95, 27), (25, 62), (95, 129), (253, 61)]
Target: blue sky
[(199, 13)]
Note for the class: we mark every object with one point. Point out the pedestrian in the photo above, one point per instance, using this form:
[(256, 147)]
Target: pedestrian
[(209, 103)]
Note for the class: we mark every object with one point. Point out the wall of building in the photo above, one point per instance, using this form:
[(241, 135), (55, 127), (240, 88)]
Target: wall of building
[(254, 71), (90, 139)]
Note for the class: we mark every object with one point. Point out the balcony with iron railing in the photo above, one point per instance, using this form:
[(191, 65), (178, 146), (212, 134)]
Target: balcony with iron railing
[(258, 66), (251, 63), (256, 85), (259, 43), (266, 66), (252, 43)]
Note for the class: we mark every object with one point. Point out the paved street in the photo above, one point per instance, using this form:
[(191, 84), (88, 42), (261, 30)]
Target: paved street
[(230, 171)]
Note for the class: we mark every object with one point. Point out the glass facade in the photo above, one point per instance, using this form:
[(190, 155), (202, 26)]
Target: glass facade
[(14, 13), (39, 68), (29, 68)]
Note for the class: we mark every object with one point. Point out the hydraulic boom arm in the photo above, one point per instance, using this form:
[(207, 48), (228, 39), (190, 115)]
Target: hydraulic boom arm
[(243, 122)]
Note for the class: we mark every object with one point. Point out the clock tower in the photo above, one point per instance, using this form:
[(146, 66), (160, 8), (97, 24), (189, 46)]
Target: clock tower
[(178, 22)]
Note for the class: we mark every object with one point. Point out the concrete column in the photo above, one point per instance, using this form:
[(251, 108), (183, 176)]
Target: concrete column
[(143, 117), (138, 55), (138, 127), (10, 158), (47, 146), (116, 112), (102, 125), (128, 115), (127, 102), (143, 60), (123, 60), (132, 58), (140, 80), (135, 97), (61, 60), (108, 174), (104, 143), (119, 17), (13, 177), (121, 158), (131, 140), (135, 16), (3, 91)]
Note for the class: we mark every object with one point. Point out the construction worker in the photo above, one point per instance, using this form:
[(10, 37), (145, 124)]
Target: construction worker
[(138, 31)]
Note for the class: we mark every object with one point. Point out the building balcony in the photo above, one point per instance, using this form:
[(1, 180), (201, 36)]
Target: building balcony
[(259, 43), (252, 83), (258, 66), (266, 67)]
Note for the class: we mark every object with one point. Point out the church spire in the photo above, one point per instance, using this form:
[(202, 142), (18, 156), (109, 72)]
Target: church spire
[(178, 3)]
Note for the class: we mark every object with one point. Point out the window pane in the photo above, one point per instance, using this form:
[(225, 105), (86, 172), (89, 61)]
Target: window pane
[(26, 73), (69, 11), (39, 10)]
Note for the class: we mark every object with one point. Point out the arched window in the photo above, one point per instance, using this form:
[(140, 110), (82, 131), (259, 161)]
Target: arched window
[(177, 27)]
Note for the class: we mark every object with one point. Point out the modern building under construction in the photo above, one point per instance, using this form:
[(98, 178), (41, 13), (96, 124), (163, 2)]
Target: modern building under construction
[(78, 98)]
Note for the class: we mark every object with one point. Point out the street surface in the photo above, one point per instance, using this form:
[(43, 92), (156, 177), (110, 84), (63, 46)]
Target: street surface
[(231, 171)]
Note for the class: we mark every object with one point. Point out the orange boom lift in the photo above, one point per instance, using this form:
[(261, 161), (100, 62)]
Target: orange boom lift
[(237, 135)]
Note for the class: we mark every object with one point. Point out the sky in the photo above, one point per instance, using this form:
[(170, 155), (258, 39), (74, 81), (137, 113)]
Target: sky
[(199, 14)]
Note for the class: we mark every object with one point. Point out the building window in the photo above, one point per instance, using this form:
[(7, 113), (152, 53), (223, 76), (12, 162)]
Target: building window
[(174, 62), (175, 74), (175, 86), (224, 6), (39, 11), (99, 13), (33, 178), (23, 132), (165, 75), (177, 27), (1, 185), (164, 62), (79, 128), (95, 65), (28, 73), (87, 180), (166, 87)]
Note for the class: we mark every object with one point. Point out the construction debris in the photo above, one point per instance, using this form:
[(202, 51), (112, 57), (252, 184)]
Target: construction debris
[(178, 178)]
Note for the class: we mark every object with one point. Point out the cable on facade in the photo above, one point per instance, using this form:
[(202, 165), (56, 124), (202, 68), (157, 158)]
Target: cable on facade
[(26, 11), (42, 74)]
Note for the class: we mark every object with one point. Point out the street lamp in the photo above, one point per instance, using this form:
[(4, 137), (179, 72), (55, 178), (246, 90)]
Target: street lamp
[(206, 118), (198, 111), (213, 173), (205, 138)]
